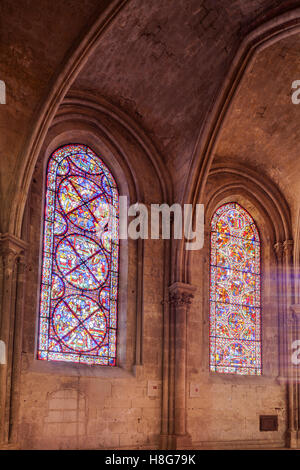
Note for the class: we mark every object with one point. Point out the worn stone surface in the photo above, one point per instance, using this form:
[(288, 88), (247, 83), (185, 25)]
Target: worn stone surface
[(228, 407), (154, 52), (149, 54), (267, 135), (63, 411), (162, 63)]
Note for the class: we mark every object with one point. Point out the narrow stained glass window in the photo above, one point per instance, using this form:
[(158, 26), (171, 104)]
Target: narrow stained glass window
[(235, 310), (80, 267)]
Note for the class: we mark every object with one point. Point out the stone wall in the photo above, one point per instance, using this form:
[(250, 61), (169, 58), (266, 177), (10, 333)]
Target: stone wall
[(223, 410), (70, 406)]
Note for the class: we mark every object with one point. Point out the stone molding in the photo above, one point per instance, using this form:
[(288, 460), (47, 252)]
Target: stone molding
[(12, 252), (288, 246), (11, 245), (181, 294)]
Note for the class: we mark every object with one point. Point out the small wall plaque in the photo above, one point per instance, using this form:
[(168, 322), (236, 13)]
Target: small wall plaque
[(154, 388), (268, 423), (194, 390)]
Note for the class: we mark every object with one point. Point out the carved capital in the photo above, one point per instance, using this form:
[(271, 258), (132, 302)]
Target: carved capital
[(278, 248), (181, 294), (12, 251), (180, 299), (288, 246), (11, 247)]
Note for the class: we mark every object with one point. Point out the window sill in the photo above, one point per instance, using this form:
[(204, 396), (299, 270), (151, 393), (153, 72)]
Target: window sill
[(217, 377), (36, 366)]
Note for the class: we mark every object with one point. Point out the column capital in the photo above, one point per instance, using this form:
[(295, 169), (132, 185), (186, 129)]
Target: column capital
[(278, 248), (11, 245), (181, 293), (288, 246)]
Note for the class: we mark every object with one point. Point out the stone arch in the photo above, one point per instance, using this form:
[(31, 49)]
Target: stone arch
[(72, 65), (262, 37), (266, 205), (130, 157), (233, 182), (124, 149), (259, 188)]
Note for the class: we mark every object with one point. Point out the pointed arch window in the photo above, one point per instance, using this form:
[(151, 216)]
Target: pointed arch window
[(80, 267), (235, 304)]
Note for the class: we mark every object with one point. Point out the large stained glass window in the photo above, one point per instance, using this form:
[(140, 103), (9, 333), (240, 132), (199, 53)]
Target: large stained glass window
[(79, 283), (235, 314)]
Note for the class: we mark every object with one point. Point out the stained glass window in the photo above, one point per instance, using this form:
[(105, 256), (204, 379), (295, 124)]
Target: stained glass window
[(235, 313), (79, 284)]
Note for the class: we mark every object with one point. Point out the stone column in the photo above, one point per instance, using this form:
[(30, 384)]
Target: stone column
[(294, 378), (180, 300), (12, 265), (278, 248), (289, 335), (286, 335), (288, 247)]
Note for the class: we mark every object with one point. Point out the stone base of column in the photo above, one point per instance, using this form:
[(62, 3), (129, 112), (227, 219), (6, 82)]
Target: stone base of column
[(293, 439), (164, 441), (175, 442), (9, 447)]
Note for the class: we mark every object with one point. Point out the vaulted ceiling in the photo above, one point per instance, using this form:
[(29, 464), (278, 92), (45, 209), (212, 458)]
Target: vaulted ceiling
[(163, 62), (262, 128)]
